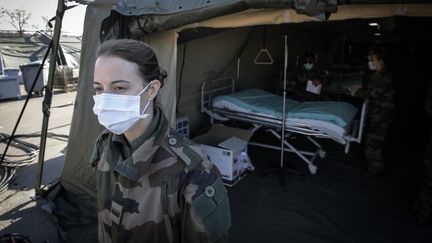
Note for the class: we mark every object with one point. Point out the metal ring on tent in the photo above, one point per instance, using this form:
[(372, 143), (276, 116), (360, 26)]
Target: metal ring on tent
[(264, 57)]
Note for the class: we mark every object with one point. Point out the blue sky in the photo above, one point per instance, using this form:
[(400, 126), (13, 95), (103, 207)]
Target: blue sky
[(72, 22)]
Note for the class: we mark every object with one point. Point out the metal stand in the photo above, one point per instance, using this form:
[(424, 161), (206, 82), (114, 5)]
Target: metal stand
[(281, 169)]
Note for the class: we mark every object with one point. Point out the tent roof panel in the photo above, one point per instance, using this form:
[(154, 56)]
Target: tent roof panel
[(31, 47), (165, 15), (153, 16)]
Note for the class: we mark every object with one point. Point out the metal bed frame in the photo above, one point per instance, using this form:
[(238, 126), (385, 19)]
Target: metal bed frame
[(216, 87)]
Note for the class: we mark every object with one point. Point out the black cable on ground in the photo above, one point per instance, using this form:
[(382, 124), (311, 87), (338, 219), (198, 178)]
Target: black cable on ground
[(6, 175), (15, 238), (12, 162), (31, 151)]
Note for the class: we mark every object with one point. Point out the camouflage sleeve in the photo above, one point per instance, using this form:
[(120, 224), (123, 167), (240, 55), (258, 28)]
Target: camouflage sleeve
[(321, 74), (380, 85), (206, 215), (375, 87), (291, 79), (301, 80)]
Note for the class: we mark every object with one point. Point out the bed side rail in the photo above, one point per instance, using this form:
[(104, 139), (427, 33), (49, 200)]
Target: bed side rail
[(215, 87), (357, 132), (362, 121)]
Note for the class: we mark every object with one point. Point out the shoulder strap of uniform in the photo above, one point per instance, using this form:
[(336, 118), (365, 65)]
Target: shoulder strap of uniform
[(188, 152)]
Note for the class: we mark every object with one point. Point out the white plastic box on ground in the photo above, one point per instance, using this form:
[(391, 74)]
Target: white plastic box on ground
[(14, 72), (9, 87), (29, 72), (224, 145)]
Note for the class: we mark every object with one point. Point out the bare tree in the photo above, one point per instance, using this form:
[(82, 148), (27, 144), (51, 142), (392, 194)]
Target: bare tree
[(18, 18)]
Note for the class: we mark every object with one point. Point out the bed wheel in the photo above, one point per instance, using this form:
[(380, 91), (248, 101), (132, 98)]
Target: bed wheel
[(313, 169), (322, 154)]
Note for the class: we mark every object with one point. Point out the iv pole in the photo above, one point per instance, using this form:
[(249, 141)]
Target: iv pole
[(284, 111)]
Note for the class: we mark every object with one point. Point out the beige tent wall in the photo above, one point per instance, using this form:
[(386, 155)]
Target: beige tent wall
[(164, 44), (258, 75), (77, 176), (252, 17), (381, 11), (205, 58)]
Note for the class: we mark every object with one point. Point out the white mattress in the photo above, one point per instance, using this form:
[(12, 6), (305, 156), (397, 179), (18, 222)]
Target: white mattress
[(332, 130)]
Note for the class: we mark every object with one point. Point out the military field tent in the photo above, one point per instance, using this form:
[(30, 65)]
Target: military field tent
[(17, 49), (201, 40)]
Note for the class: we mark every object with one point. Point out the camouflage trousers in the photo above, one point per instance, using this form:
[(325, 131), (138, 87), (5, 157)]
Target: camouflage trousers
[(423, 205), (374, 143)]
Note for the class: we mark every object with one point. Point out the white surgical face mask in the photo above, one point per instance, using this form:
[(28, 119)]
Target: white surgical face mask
[(308, 66), (119, 113), (372, 66)]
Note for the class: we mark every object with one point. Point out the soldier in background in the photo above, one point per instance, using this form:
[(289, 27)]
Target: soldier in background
[(380, 92), (153, 185), (308, 79), (423, 203)]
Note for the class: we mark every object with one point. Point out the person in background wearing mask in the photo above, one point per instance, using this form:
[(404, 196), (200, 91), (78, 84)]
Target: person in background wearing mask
[(152, 184), (308, 79), (380, 92)]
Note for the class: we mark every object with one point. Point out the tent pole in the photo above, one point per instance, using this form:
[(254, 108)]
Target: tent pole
[(284, 103), (46, 104), (238, 73), (238, 68)]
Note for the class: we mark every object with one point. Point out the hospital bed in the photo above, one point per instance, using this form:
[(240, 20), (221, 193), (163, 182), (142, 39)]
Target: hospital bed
[(338, 121)]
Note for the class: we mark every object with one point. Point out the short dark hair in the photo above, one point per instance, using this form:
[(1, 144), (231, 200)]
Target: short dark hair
[(137, 52), (310, 55)]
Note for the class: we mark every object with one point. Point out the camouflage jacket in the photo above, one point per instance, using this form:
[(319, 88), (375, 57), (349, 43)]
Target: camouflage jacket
[(380, 92), (302, 76), (162, 189)]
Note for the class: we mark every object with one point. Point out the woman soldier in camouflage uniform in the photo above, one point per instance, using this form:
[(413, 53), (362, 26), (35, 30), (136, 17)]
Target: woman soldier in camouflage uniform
[(153, 185), (310, 70), (380, 92)]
